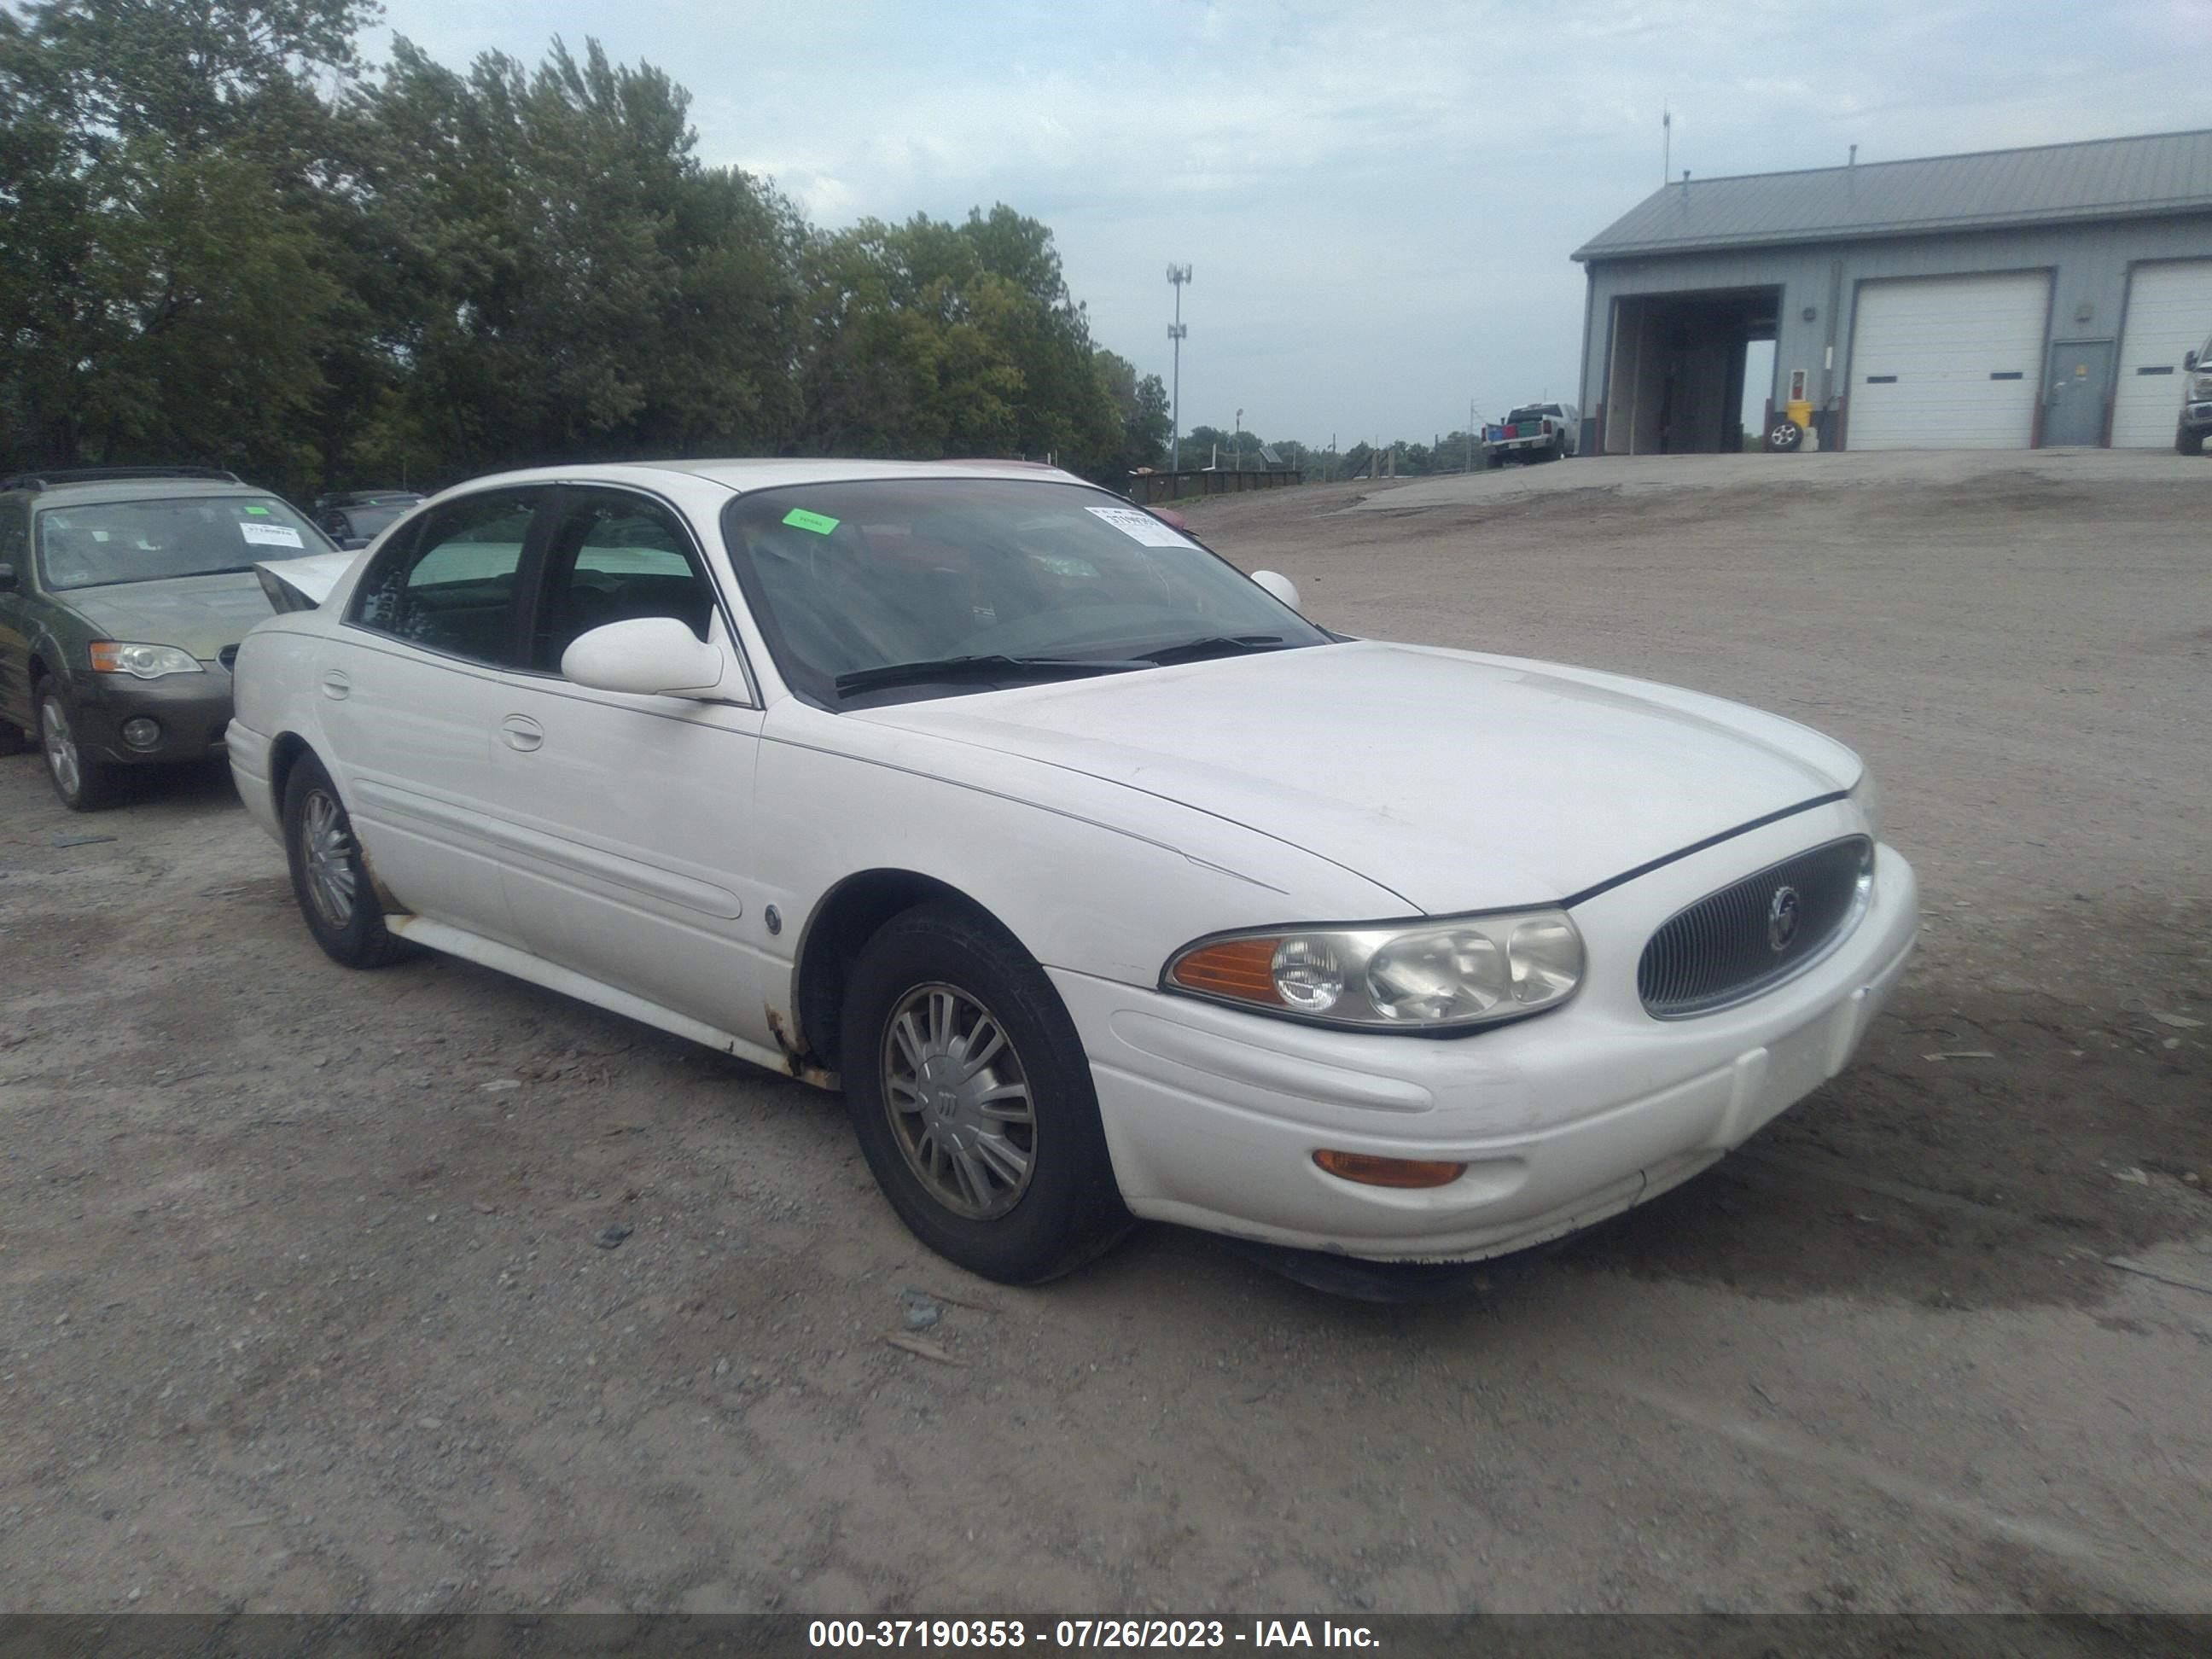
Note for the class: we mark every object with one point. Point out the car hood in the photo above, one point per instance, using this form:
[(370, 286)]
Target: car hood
[(200, 614), (1458, 781)]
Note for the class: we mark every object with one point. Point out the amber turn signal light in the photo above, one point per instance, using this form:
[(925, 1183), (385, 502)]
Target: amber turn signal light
[(1372, 1171), (1239, 968)]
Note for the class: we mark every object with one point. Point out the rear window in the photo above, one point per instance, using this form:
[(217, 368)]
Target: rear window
[(104, 543), (1536, 412)]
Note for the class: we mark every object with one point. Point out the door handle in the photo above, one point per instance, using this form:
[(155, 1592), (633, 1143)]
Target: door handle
[(521, 732), (336, 686)]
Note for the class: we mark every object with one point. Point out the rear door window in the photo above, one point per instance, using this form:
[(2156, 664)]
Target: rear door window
[(454, 585)]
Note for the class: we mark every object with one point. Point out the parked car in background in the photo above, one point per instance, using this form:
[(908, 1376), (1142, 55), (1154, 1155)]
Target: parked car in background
[(1103, 881), (2196, 421), (1533, 432), (123, 593), (356, 518)]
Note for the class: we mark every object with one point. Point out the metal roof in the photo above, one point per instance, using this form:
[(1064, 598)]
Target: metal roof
[(2105, 178)]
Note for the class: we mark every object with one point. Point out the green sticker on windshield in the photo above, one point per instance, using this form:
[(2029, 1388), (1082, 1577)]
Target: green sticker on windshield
[(258, 512), (800, 518)]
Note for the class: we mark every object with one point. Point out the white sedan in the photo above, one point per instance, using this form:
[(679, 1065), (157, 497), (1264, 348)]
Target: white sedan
[(1104, 883)]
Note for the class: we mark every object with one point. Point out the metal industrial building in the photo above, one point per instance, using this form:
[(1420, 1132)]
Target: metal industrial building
[(2012, 298)]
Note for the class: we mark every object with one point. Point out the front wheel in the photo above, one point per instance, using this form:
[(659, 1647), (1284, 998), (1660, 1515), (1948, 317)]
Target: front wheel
[(2187, 441), (329, 878), (84, 783), (971, 1098)]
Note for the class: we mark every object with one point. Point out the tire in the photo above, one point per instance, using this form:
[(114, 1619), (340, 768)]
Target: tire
[(2186, 442), (1784, 437), (329, 879), (84, 784), (1015, 1186)]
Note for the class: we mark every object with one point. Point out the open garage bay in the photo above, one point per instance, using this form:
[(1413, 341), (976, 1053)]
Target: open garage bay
[(307, 1300)]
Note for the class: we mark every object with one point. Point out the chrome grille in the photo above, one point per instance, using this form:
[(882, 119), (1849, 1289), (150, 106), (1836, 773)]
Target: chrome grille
[(1755, 933)]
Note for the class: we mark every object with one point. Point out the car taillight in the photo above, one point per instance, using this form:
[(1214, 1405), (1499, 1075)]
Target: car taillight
[(1548, 429)]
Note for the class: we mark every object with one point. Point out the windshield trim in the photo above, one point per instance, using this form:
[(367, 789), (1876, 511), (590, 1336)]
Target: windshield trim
[(780, 653)]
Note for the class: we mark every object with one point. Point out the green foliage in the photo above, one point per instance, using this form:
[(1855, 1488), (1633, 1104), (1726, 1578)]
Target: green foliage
[(161, 292), (931, 339), (218, 243)]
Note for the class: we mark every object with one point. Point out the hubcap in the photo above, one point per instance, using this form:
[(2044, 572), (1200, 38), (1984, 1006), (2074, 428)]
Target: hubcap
[(61, 747), (328, 852), (958, 1101)]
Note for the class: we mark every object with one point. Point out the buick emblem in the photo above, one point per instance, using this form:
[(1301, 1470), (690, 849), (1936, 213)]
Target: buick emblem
[(1782, 920)]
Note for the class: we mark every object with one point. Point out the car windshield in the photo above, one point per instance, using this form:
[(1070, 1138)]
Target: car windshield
[(846, 578), (370, 518), (100, 543)]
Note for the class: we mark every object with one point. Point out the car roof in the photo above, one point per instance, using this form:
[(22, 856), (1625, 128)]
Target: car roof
[(106, 491), (741, 476)]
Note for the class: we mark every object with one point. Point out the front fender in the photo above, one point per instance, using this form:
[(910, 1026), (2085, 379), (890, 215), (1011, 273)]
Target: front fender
[(1090, 876)]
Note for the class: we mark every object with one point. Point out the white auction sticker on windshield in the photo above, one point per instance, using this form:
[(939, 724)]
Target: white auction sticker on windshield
[(271, 535), (1141, 526)]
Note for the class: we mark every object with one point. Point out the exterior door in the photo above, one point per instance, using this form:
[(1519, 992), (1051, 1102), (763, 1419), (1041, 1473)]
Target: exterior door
[(1951, 362), (2169, 313), (625, 823), (413, 692), (2074, 394)]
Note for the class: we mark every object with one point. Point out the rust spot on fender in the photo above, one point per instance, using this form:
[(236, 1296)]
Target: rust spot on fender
[(802, 1066)]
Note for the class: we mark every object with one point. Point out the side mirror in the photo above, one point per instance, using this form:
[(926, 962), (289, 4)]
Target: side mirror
[(8, 580), (1280, 586), (647, 657), (2189, 360)]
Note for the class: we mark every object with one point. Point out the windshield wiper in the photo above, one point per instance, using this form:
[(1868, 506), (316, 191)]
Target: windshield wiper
[(973, 668), (1215, 644)]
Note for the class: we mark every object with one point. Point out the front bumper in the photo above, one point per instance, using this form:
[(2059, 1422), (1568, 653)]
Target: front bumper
[(192, 710), (1212, 1115), (2196, 416)]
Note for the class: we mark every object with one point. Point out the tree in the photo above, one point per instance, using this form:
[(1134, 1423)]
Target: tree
[(569, 280), (929, 338), (1142, 404), (162, 295)]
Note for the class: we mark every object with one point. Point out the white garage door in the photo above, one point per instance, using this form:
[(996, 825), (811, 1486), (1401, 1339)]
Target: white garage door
[(2169, 312), (1954, 363)]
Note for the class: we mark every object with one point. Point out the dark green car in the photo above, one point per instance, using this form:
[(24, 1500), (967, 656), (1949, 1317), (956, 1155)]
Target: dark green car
[(123, 593)]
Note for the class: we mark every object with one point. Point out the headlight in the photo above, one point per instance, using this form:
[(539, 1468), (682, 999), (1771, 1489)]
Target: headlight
[(1867, 799), (145, 662), (1437, 975), (2200, 385)]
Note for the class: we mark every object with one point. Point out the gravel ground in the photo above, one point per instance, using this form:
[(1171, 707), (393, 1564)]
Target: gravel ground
[(315, 1291)]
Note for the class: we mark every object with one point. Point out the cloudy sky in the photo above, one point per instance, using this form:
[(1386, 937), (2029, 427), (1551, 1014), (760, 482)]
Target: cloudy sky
[(1377, 199)]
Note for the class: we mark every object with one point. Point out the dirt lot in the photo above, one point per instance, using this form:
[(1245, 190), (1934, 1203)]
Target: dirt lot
[(301, 1304)]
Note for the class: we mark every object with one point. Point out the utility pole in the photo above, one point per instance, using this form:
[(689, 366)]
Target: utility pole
[(1178, 275), (1470, 434), (1239, 435), (1666, 144)]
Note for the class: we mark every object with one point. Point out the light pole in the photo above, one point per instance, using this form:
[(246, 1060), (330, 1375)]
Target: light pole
[(1178, 275), (1240, 440)]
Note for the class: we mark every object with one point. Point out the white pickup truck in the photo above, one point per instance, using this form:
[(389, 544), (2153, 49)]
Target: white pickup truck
[(1533, 432)]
